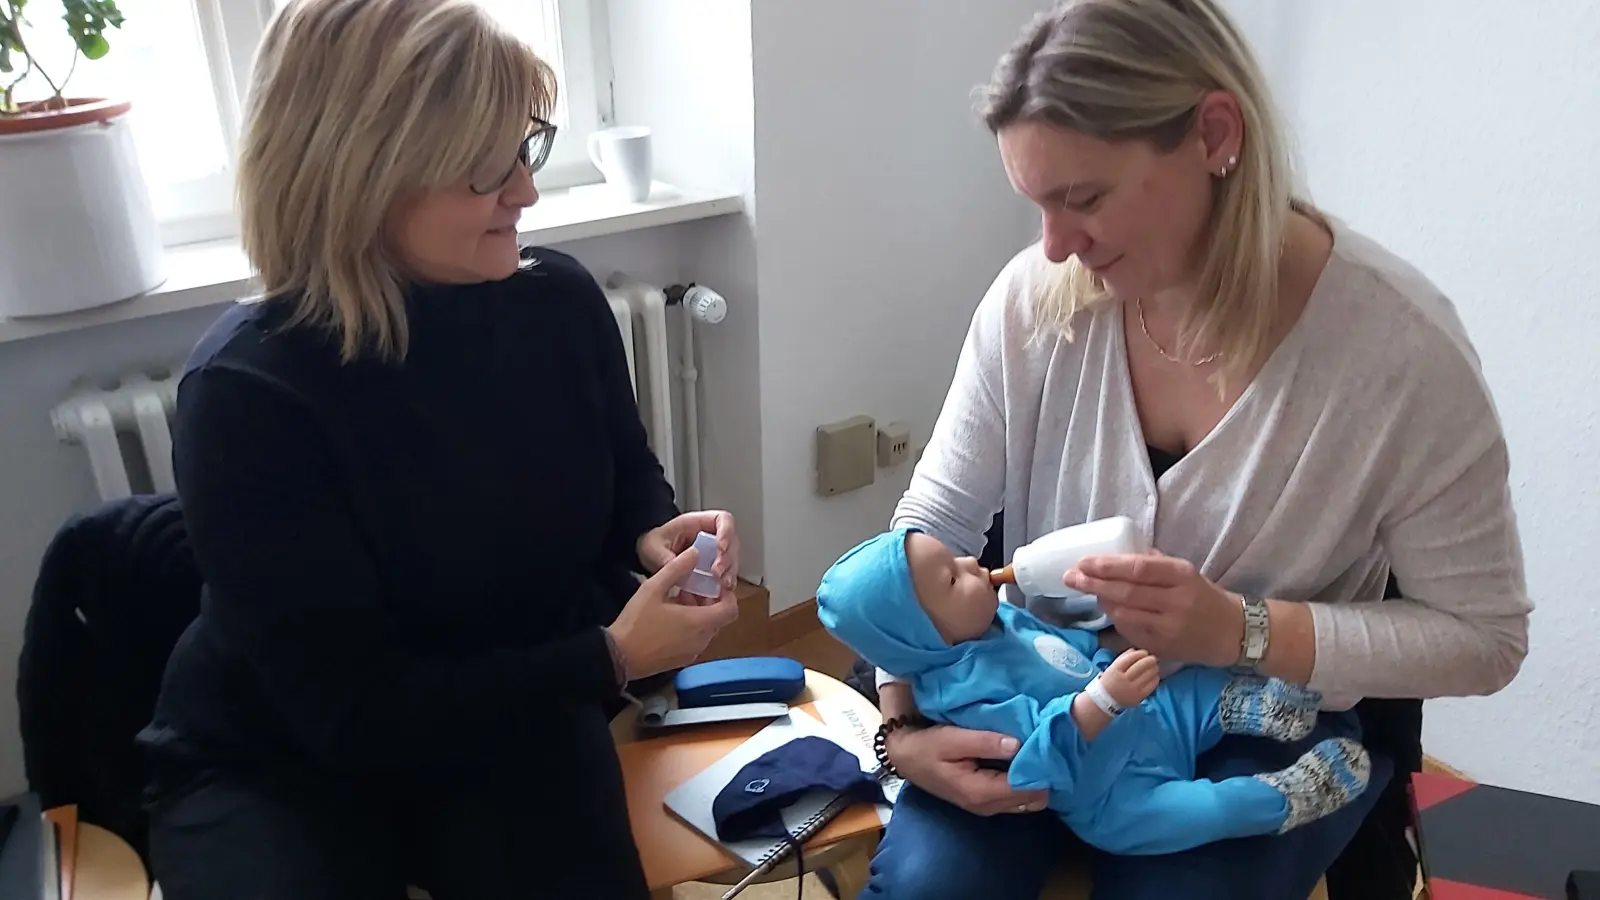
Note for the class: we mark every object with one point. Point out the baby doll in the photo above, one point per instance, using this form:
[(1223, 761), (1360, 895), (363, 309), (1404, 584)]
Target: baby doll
[(1112, 742)]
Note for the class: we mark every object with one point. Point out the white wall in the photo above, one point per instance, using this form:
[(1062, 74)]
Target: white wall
[(683, 68), (884, 214), (1474, 156)]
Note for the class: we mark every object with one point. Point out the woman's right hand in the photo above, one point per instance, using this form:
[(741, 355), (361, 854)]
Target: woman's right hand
[(654, 632), (943, 760)]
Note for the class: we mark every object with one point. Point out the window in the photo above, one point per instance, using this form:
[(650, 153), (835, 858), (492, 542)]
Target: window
[(185, 65), (562, 32)]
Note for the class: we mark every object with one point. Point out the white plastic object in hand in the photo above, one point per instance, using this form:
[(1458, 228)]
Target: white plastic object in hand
[(705, 304), (701, 581), (1038, 568)]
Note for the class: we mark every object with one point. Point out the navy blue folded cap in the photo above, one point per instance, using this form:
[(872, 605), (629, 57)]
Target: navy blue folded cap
[(752, 803)]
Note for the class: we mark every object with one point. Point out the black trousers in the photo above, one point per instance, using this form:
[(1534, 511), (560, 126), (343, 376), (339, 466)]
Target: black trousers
[(546, 817)]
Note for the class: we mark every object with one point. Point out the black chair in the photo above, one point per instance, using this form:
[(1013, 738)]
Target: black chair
[(117, 586)]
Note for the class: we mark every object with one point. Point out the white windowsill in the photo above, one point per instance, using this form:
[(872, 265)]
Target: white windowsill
[(216, 272)]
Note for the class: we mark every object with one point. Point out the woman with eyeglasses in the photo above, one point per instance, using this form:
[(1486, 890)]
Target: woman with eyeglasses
[(419, 492)]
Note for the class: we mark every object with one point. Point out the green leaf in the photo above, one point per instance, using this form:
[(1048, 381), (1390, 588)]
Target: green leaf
[(9, 42), (87, 21), (93, 46)]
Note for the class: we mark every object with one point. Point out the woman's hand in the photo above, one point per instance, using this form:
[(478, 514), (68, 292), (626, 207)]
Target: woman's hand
[(654, 633), (659, 545), (943, 760), (1162, 604)]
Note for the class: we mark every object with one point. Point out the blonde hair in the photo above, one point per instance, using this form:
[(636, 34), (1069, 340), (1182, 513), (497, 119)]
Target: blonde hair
[(1121, 70), (356, 106)]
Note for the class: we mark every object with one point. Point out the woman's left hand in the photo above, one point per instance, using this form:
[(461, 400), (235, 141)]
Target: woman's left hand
[(1164, 605), (658, 546)]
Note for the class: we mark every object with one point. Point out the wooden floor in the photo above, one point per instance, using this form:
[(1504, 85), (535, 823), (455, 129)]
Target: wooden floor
[(818, 650)]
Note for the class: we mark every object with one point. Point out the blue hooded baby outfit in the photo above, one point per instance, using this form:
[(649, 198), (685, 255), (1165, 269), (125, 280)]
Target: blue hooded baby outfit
[(1132, 790)]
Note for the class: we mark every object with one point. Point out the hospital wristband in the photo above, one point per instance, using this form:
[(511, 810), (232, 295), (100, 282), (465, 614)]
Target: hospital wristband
[(1099, 696)]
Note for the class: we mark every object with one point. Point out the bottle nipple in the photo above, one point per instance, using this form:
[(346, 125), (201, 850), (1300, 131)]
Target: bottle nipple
[(1002, 576)]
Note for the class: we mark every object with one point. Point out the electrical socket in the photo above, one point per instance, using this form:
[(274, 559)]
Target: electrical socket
[(894, 445), (844, 455)]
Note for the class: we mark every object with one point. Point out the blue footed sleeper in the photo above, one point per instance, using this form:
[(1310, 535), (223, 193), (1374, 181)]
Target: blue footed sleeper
[(1131, 790)]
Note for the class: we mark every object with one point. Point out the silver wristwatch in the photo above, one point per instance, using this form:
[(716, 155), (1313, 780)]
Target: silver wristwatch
[(1253, 647)]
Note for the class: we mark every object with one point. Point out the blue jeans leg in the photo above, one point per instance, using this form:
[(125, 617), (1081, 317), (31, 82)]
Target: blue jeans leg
[(1267, 867), (934, 850)]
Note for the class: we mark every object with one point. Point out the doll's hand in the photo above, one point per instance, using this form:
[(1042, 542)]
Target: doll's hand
[(1132, 677)]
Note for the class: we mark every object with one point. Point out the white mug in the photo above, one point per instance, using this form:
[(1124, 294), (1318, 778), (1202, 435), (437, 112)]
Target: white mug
[(623, 156)]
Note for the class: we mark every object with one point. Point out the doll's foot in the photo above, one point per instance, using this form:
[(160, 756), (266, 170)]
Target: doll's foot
[(1269, 707), (1323, 781)]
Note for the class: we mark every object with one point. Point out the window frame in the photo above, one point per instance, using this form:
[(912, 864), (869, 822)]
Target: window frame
[(230, 31)]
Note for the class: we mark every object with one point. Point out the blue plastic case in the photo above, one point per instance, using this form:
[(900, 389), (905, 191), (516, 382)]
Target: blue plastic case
[(747, 679)]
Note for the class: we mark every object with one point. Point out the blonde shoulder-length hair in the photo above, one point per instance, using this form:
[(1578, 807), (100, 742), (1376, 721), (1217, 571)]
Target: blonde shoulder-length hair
[(1123, 70), (354, 107)]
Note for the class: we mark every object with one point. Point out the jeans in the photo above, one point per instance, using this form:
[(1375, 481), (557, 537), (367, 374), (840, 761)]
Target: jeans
[(933, 850)]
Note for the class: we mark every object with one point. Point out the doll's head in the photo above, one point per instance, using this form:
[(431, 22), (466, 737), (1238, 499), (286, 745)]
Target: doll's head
[(905, 602), (954, 591)]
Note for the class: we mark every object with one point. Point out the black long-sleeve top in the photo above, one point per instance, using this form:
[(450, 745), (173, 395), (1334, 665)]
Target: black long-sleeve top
[(407, 562)]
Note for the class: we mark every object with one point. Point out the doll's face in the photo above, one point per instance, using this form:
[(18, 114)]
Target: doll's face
[(955, 593)]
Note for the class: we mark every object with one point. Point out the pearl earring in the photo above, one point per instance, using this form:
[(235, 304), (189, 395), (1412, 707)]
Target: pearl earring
[(1232, 161)]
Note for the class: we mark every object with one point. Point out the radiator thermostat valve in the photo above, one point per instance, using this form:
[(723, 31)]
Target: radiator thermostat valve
[(700, 301)]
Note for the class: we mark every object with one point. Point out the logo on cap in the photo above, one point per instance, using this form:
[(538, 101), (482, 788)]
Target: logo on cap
[(757, 786)]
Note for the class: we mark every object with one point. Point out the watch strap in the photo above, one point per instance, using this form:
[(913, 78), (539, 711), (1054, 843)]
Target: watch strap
[(1253, 644)]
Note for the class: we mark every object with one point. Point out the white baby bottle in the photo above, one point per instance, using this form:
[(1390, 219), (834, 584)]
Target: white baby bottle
[(1037, 569)]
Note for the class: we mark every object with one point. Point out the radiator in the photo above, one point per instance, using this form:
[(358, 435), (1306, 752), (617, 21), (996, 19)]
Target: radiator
[(124, 430), (641, 314)]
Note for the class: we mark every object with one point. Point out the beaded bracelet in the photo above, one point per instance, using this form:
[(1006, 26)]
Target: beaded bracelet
[(880, 743)]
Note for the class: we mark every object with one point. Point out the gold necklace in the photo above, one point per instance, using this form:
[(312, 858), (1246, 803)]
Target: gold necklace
[(1139, 305)]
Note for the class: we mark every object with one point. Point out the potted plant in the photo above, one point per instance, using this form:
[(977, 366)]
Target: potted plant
[(77, 228)]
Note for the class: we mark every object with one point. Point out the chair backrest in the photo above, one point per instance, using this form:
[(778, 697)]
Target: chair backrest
[(116, 588)]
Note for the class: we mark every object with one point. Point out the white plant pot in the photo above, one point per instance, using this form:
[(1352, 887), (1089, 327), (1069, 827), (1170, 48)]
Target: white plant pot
[(77, 229)]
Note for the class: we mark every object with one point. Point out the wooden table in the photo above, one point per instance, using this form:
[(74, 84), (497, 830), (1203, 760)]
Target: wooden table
[(107, 868), (674, 853)]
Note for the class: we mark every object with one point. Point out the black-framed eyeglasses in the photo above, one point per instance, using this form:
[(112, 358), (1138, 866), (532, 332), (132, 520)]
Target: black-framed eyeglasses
[(533, 152)]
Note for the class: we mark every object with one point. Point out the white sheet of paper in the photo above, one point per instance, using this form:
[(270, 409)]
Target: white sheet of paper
[(846, 721)]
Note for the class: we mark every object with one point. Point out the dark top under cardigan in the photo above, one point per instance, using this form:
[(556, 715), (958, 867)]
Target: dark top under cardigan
[(407, 563)]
